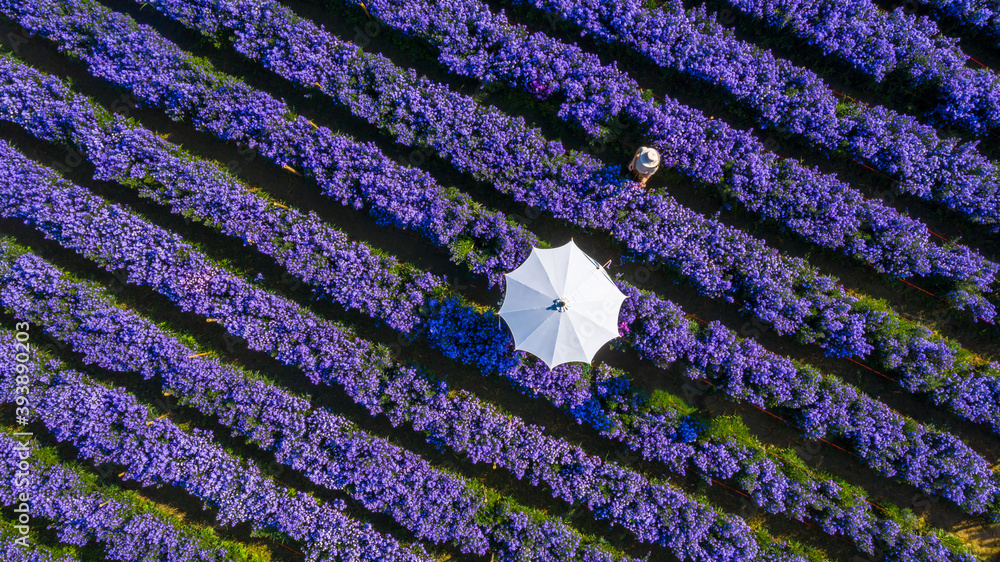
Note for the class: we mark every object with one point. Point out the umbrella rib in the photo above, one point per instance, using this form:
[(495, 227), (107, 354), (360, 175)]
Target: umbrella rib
[(539, 327), (525, 287), (584, 283), (572, 332)]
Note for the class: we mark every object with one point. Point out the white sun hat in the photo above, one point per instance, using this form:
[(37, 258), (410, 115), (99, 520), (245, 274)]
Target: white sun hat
[(648, 161)]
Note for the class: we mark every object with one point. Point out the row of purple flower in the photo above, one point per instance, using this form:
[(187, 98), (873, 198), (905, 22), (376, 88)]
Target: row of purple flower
[(330, 450), (782, 95), (110, 425), (328, 353), (980, 15), (81, 511), (34, 551), (879, 43), (473, 41)]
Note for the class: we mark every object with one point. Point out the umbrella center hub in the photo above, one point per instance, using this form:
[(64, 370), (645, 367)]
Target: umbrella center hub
[(562, 304)]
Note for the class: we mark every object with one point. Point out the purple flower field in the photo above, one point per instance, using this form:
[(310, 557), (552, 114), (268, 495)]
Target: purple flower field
[(253, 253)]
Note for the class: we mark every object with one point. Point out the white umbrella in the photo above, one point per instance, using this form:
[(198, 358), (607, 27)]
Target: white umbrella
[(561, 305)]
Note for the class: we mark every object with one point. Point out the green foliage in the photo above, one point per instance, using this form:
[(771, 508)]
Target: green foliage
[(463, 246), (663, 402), (727, 426)]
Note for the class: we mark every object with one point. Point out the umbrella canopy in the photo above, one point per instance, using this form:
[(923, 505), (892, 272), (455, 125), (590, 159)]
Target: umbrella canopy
[(561, 305)]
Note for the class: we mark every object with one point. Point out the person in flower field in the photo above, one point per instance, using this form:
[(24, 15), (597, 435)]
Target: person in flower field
[(644, 164)]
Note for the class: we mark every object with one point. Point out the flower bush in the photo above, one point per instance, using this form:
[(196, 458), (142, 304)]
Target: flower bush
[(878, 43), (212, 208), (978, 15), (205, 193), (793, 99), (721, 261), (330, 450), (110, 425), (81, 511), (328, 353)]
